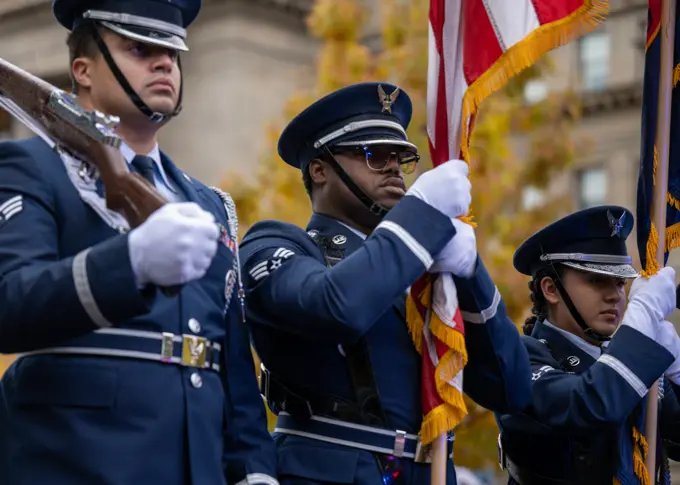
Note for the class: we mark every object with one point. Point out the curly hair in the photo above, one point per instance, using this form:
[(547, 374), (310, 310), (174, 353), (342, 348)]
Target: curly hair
[(539, 309)]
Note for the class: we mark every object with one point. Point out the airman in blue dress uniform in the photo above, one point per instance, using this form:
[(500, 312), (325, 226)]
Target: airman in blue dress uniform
[(117, 383), (589, 383), (326, 304)]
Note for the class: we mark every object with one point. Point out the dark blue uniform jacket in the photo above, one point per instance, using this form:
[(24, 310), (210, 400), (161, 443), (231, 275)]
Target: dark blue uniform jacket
[(67, 291), (580, 424), (304, 316)]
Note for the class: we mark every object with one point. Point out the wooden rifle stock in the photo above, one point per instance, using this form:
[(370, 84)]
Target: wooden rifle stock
[(86, 135)]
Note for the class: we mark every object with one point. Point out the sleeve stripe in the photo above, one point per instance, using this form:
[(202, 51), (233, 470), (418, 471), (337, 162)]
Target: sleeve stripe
[(82, 283), (627, 374), (416, 248), (258, 479), (486, 314)]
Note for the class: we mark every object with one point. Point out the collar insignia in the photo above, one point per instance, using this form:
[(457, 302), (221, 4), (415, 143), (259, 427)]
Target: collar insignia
[(88, 173)]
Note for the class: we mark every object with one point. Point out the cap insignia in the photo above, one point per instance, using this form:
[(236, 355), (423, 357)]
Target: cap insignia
[(387, 100), (616, 224)]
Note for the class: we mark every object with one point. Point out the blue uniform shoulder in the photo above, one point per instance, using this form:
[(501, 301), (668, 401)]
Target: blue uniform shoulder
[(34, 148), (30, 167), (535, 346), (217, 196), (269, 233), (539, 352)]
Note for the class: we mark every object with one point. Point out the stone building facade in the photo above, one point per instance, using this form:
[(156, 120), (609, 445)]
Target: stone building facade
[(606, 68), (247, 57)]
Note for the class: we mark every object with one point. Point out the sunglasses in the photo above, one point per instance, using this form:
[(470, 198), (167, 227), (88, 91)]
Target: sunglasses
[(379, 156)]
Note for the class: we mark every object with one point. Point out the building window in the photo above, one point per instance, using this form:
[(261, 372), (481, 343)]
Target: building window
[(592, 187), (594, 58), (535, 91), (5, 125)]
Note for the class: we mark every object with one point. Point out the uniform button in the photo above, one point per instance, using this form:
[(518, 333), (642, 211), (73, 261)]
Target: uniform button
[(196, 380), (194, 325)]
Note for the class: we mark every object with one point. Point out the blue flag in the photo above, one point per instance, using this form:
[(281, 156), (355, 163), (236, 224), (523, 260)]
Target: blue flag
[(649, 153)]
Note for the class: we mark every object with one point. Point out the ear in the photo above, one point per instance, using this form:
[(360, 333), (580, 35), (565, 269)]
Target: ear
[(550, 291), (82, 71), (317, 171)]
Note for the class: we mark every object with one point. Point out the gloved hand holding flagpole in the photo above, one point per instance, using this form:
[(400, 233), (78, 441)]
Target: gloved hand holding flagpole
[(465, 67)]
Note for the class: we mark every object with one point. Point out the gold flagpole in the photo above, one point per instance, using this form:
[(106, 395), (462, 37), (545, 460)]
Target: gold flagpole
[(658, 213)]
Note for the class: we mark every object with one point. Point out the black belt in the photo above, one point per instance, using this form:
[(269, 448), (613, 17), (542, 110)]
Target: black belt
[(281, 398), (184, 350), (396, 443)]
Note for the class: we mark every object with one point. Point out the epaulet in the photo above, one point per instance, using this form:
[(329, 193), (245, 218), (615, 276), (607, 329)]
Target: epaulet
[(536, 345), (257, 237), (232, 220), (271, 228)]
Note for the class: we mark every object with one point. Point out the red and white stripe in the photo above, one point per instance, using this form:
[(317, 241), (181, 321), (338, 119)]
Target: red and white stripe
[(445, 305), (459, 56), (473, 42)]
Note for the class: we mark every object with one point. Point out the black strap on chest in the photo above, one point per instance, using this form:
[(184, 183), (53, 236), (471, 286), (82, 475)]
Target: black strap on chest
[(356, 354), (574, 311)]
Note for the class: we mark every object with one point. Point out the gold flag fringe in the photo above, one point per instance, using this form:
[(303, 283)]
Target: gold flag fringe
[(673, 237), (672, 233), (676, 75), (640, 450), (652, 266), (520, 56), (450, 414), (526, 53), (656, 164)]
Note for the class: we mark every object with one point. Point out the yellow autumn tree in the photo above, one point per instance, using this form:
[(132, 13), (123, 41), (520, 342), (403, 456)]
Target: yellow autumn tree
[(515, 148), (5, 362)]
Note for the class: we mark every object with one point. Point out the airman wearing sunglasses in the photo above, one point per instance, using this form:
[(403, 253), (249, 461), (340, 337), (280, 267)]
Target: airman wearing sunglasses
[(326, 305)]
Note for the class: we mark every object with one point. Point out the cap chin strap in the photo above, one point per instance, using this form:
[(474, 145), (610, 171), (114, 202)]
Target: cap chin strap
[(574, 312), (373, 207), (134, 97)]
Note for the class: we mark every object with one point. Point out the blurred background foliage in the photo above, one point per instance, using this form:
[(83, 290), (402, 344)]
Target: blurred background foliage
[(514, 146)]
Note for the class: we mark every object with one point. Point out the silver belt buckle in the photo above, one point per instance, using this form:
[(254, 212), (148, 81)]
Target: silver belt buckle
[(167, 343), (423, 452), (399, 444)]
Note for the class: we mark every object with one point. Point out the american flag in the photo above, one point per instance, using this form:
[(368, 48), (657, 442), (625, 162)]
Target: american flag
[(475, 47)]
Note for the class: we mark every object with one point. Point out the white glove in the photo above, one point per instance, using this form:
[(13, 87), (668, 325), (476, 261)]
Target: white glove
[(650, 301), (446, 188), (669, 339), (460, 253), (173, 246)]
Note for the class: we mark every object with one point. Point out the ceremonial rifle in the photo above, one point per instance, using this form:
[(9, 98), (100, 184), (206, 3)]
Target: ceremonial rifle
[(84, 134)]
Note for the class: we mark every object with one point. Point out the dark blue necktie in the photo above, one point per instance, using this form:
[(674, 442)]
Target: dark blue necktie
[(144, 167)]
